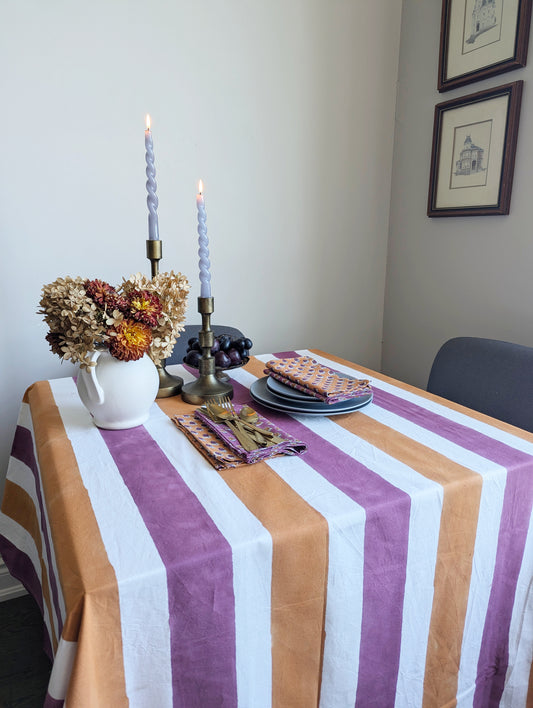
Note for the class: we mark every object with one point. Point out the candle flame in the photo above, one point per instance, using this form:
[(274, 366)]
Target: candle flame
[(200, 186), (148, 121)]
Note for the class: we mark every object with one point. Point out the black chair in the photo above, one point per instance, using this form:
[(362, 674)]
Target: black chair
[(487, 375), (180, 348)]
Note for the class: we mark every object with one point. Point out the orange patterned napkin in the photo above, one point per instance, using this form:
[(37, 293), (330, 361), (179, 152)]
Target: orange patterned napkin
[(217, 443), (321, 382)]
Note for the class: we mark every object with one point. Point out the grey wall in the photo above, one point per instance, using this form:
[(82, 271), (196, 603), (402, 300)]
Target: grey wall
[(450, 277)]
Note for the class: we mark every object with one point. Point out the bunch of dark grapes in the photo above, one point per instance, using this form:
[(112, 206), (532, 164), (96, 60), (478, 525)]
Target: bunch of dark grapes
[(228, 352)]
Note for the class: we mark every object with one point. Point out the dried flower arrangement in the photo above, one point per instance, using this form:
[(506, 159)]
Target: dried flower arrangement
[(141, 316)]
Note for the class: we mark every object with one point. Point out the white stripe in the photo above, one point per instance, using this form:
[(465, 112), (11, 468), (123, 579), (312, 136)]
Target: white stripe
[(252, 560), (62, 669), (131, 552), (344, 606), (24, 418), (180, 370)]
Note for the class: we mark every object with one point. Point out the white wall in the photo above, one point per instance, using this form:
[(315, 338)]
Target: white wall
[(284, 108), (450, 277)]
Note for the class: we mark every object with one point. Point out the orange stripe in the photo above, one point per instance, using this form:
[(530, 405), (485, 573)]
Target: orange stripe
[(457, 536), (87, 579), (21, 508), (299, 574)]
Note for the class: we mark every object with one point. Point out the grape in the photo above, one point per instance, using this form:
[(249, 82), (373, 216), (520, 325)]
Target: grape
[(222, 360), (193, 358), (224, 341), (235, 357), (227, 351), (239, 344)]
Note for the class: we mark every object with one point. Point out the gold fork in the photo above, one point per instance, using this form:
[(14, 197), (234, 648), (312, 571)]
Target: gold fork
[(219, 412)]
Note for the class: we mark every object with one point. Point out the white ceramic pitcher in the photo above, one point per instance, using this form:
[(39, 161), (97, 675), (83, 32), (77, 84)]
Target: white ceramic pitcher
[(118, 394)]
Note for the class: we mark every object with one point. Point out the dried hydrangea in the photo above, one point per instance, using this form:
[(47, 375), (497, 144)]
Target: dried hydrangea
[(73, 318), (142, 316)]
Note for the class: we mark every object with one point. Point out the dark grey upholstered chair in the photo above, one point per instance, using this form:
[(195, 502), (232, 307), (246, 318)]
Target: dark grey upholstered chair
[(180, 348), (488, 375)]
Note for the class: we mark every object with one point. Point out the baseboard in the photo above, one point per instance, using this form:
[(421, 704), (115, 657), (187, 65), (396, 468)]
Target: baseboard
[(9, 587)]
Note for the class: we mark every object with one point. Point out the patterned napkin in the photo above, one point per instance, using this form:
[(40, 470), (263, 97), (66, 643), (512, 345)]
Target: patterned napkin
[(321, 382), (220, 446)]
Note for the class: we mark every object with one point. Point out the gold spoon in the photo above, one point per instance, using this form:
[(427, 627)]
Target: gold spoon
[(249, 416)]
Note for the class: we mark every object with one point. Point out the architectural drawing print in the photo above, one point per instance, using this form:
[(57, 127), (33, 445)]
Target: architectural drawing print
[(484, 17), (470, 158)]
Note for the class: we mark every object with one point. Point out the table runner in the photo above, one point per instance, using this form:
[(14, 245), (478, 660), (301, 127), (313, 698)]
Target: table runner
[(389, 565)]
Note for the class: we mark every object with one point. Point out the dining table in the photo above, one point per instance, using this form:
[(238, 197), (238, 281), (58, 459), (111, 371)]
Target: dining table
[(387, 564)]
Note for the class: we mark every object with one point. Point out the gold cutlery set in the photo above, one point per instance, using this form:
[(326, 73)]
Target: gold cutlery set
[(241, 424)]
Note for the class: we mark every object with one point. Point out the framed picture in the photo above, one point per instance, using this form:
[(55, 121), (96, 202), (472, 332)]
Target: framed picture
[(474, 146), (481, 38)]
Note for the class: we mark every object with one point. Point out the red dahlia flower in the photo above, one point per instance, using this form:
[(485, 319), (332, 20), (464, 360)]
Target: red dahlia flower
[(104, 294), (144, 307)]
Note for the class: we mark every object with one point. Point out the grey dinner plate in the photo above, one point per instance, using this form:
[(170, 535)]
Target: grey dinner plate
[(262, 394)]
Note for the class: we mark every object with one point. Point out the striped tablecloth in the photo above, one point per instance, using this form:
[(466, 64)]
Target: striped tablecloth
[(390, 565)]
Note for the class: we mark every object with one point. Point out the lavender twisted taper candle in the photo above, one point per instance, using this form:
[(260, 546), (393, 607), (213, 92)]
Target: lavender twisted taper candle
[(203, 250), (151, 186)]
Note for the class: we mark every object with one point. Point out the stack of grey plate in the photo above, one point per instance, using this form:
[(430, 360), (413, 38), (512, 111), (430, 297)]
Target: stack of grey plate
[(273, 394)]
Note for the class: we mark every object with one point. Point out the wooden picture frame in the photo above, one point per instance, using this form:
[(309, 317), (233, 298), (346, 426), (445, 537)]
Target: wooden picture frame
[(481, 38), (473, 154)]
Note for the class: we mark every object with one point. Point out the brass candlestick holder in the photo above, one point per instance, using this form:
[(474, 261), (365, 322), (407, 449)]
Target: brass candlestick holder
[(207, 385), (169, 385)]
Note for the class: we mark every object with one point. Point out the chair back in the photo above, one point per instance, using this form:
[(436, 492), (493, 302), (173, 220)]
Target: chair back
[(180, 348), (487, 375)]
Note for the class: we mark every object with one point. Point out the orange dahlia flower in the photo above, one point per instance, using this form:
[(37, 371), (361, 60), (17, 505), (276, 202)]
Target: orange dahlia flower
[(129, 340)]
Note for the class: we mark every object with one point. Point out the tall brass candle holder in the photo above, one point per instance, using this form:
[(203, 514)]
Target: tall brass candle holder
[(169, 385), (207, 385)]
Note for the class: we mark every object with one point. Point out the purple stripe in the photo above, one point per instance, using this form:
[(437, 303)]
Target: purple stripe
[(386, 541), (23, 450), (53, 702), (21, 567), (514, 525), (198, 562), (285, 355)]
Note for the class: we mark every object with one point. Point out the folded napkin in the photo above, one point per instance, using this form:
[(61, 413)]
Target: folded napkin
[(321, 382), (219, 445)]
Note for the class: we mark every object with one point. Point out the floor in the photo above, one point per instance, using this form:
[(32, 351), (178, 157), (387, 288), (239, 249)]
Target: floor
[(24, 667)]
